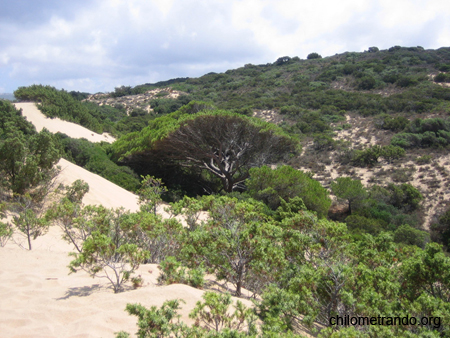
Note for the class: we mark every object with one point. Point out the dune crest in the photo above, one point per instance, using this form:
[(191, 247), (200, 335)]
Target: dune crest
[(40, 121)]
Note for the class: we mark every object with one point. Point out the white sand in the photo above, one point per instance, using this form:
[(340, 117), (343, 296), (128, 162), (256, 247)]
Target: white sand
[(33, 115), (39, 299), (37, 296), (101, 191)]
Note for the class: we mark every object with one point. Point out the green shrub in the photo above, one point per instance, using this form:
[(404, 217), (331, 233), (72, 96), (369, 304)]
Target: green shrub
[(93, 157), (411, 236), (366, 225), (392, 123), (404, 196), (366, 83), (442, 77), (172, 272), (425, 159), (314, 55), (350, 190), (270, 186)]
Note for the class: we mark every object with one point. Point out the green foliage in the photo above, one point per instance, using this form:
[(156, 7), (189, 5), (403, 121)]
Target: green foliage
[(428, 271), (173, 272), (215, 314), (404, 196), (94, 157), (441, 229), (69, 215), (305, 84), (237, 242), (442, 77), (154, 322), (150, 193), (284, 183), (220, 144), (11, 118), (314, 55), (312, 270), (348, 189), (411, 236), (391, 153), (6, 232), (370, 156), (190, 208), (28, 220), (425, 159), (27, 169), (371, 226), (160, 237), (367, 157), (27, 161), (107, 250), (366, 83), (55, 103), (324, 142), (396, 124), (121, 91), (434, 132), (386, 208)]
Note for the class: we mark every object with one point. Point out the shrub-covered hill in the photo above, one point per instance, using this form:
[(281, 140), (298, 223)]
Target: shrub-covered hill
[(379, 144), (380, 116), (395, 80)]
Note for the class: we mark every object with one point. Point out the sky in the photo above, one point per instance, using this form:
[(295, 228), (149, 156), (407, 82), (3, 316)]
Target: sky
[(97, 45)]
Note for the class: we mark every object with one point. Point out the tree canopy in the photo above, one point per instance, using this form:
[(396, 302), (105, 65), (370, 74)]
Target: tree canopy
[(224, 144)]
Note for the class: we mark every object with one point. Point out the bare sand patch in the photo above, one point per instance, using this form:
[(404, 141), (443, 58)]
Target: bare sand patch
[(40, 121)]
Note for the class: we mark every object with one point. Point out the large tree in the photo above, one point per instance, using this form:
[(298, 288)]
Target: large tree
[(226, 145)]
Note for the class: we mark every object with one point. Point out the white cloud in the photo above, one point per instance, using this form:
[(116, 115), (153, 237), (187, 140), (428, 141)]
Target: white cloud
[(96, 45)]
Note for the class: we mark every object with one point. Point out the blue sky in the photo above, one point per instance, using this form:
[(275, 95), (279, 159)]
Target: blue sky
[(96, 45)]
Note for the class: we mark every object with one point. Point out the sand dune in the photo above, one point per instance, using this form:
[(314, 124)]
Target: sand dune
[(101, 191), (38, 298), (40, 121)]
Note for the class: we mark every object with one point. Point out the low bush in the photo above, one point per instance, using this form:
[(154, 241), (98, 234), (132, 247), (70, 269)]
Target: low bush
[(411, 236), (172, 272), (270, 186)]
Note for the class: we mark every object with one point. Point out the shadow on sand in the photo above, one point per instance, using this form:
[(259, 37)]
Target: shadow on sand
[(82, 291)]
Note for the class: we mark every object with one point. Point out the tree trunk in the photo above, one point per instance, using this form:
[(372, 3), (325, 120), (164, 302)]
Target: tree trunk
[(29, 237), (239, 281)]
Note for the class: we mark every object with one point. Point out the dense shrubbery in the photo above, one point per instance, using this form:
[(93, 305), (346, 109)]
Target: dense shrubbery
[(285, 183), (93, 157), (387, 122), (424, 133), (440, 231), (305, 84), (215, 146), (370, 156), (55, 103), (27, 170), (304, 269), (380, 208)]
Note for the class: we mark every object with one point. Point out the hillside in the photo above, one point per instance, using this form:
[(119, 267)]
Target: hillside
[(40, 299), (308, 189), (344, 98)]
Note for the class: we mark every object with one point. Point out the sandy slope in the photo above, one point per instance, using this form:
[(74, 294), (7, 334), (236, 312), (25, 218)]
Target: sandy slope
[(101, 191), (33, 115), (39, 299)]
